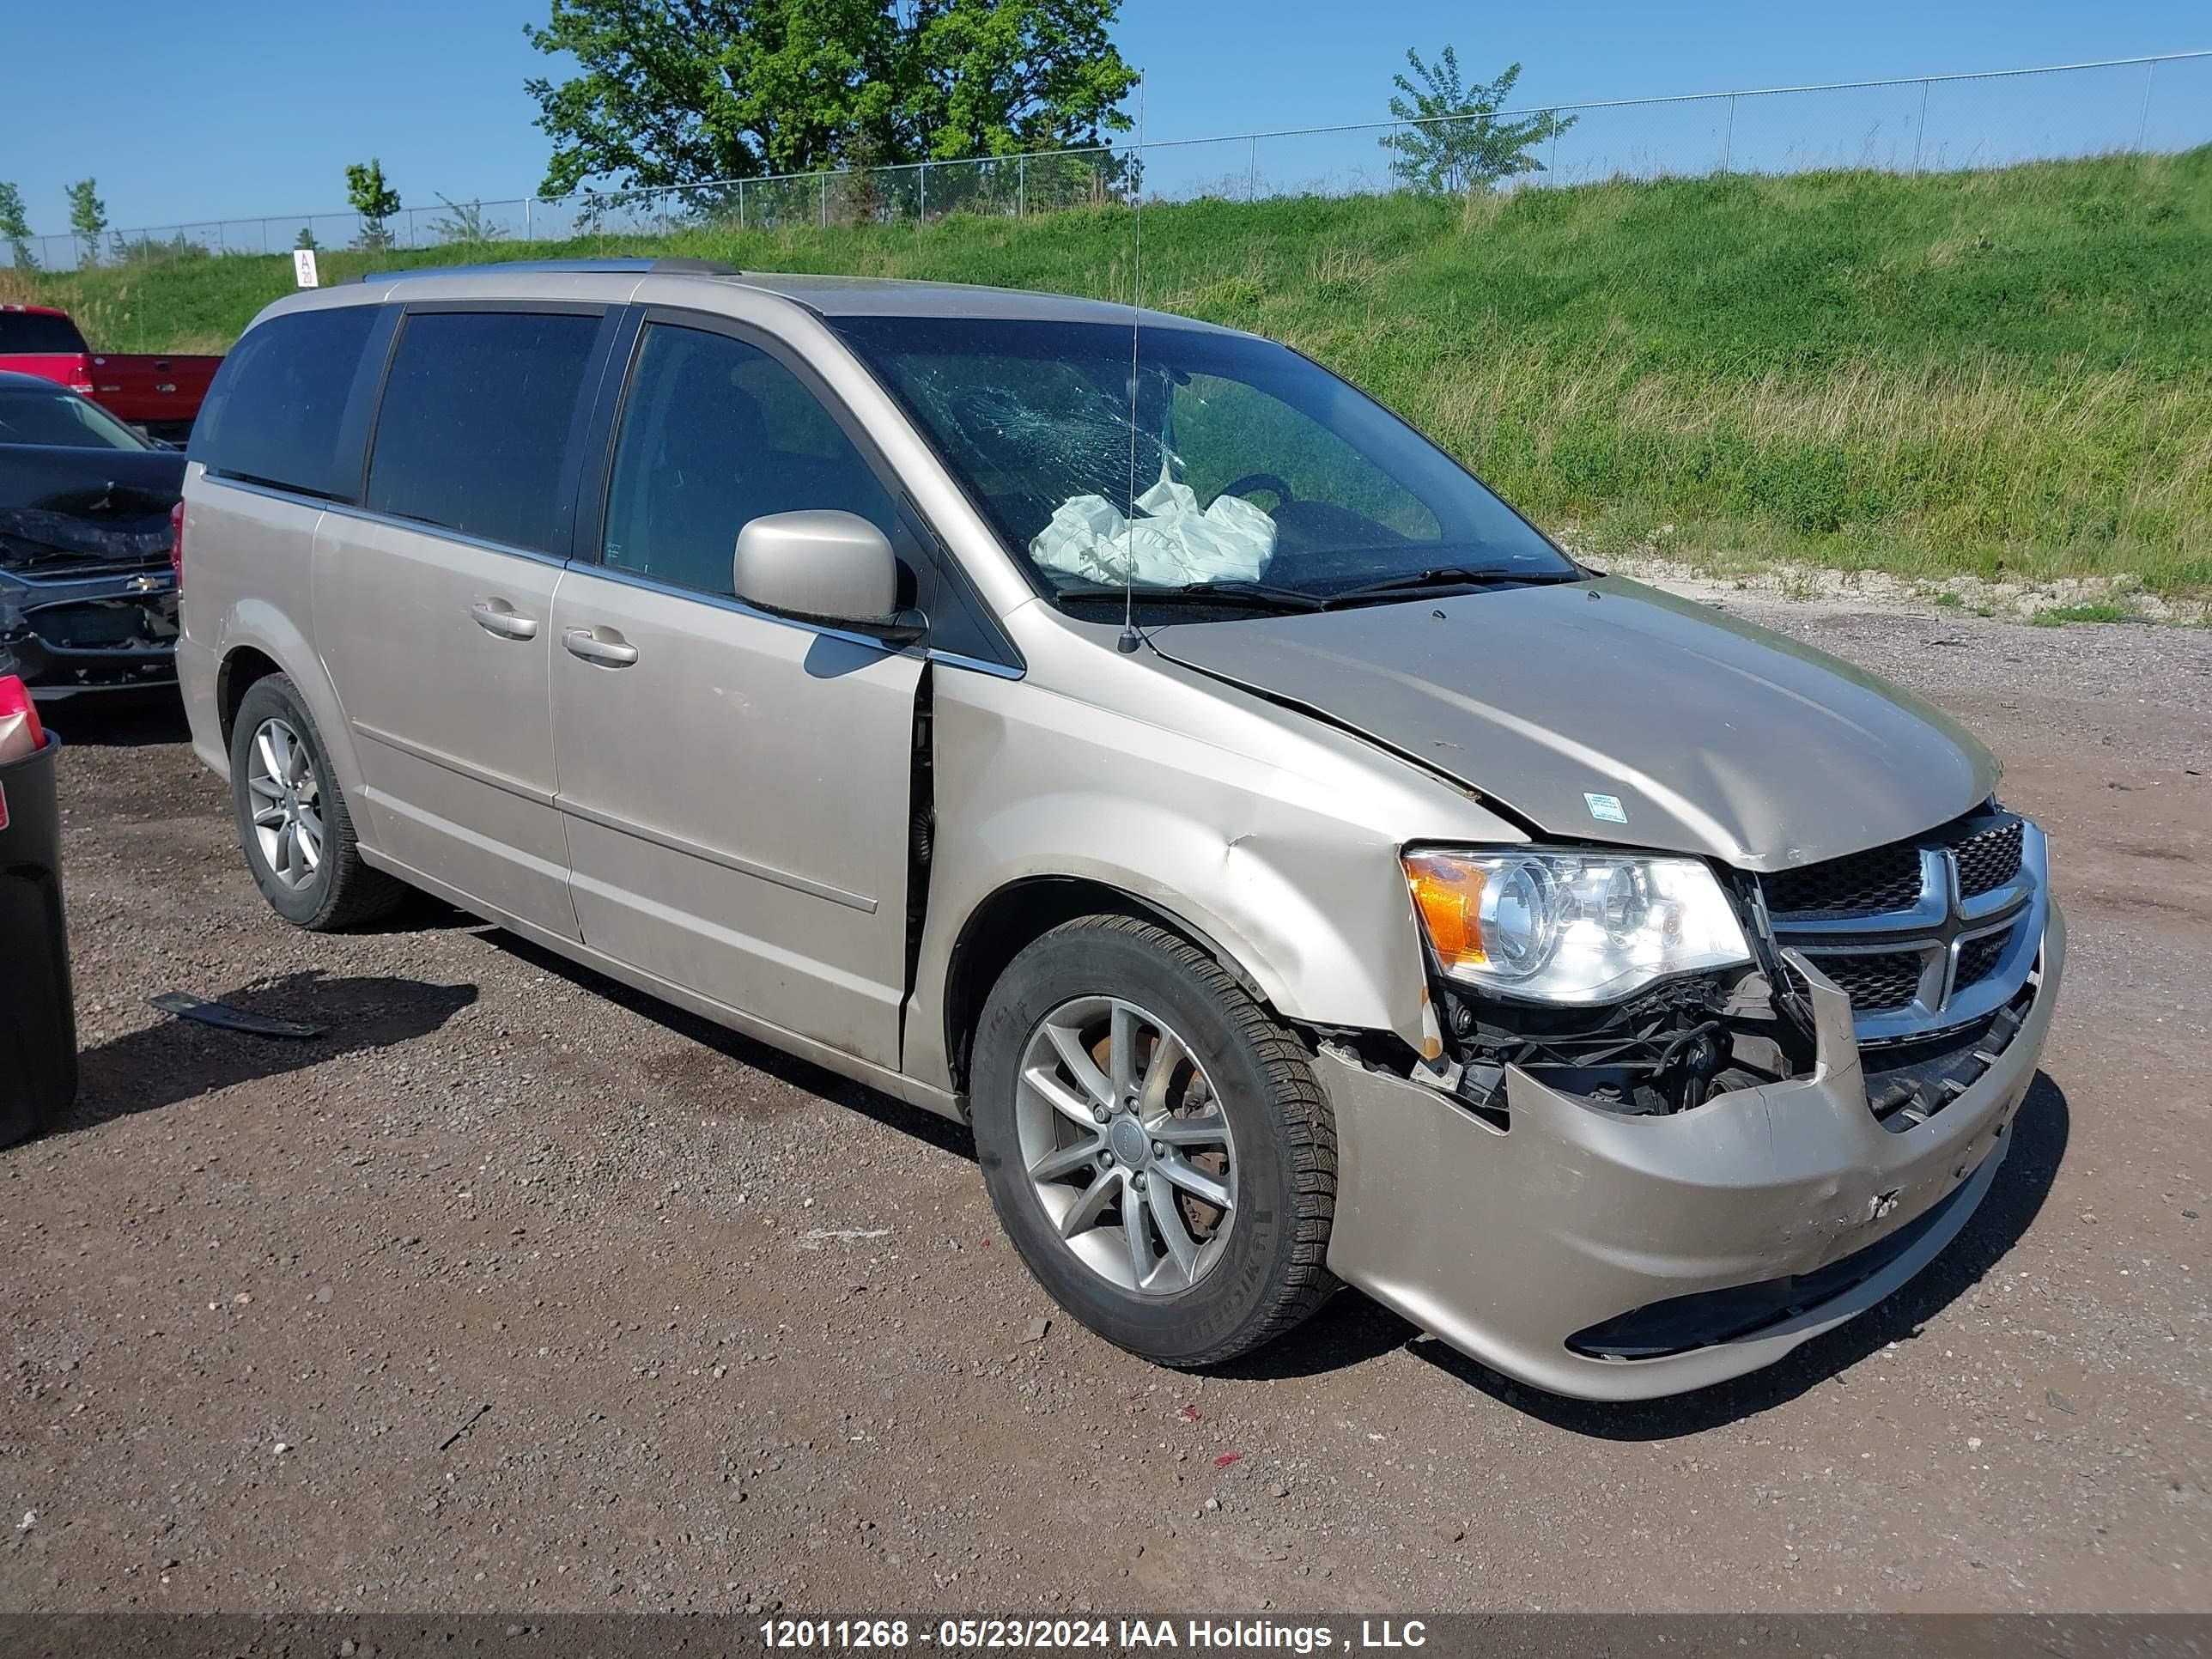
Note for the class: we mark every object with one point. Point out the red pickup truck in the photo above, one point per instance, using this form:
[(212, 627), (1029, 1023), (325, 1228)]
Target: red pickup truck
[(162, 394)]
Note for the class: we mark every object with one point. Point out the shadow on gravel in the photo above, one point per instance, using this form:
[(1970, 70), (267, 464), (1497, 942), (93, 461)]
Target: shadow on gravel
[(119, 719), (1348, 1331), (178, 1059), (2040, 1133), (418, 912), (940, 1133)]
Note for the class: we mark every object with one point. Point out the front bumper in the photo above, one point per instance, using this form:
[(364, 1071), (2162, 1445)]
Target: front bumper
[(1513, 1244), (113, 630)]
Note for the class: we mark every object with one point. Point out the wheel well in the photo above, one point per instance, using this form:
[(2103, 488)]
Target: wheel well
[(1015, 916), (240, 669)]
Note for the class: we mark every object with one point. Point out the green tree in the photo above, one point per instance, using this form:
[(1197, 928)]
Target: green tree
[(306, 237), (1459, 144), (372, 197), (88, 217), (675, 92), (16, 228)]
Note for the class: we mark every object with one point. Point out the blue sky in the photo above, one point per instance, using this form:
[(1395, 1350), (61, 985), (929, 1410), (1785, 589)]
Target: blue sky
[(239, 107)]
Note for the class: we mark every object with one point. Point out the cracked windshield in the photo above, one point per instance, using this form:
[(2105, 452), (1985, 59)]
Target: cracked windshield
[(1259, 478)]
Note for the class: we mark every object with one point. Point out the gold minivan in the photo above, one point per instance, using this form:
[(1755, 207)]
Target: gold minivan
[(1122, 735)]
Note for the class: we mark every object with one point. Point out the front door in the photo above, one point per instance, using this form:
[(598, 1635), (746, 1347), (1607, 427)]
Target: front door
[(433, 607), (735, 787)]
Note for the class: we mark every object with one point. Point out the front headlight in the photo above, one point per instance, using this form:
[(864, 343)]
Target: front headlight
[(1571, 926)]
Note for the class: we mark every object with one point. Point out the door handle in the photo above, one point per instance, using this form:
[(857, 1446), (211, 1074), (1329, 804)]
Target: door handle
[(497, 616), (608, 654)]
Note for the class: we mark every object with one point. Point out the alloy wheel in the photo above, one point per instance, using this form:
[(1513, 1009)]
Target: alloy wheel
[(1124, 1140), (286, 804)]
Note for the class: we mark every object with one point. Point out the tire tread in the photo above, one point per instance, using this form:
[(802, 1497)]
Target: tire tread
[(357, 893), (1306, 1124)]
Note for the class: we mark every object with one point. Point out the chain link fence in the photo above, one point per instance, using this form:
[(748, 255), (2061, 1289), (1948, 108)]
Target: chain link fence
[(1939, 123)]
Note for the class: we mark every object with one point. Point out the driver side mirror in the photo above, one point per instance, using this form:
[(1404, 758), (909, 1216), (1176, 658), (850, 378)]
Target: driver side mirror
[(831, 568)]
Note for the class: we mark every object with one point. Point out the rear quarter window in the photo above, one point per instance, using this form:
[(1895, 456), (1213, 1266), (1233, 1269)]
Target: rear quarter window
[(275, 411), (472, 434)]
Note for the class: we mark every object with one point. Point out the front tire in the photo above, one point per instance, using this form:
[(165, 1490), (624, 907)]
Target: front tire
[(293, 825), (1155, 1145)]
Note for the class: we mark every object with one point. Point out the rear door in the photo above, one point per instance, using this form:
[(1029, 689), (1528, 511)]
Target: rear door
[(736, 786), (433, 601)]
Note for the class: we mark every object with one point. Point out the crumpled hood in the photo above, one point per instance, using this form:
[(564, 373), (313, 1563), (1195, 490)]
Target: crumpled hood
[(73, 504), (1713, 735)]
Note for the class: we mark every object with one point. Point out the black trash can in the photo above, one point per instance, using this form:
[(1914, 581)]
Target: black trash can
[(38, 1015)]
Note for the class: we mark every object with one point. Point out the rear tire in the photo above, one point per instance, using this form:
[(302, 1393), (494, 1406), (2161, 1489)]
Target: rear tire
[(1233, 1186), (294, 824)]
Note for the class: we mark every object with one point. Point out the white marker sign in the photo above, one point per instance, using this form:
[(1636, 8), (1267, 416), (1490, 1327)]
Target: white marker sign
[(303, 267)]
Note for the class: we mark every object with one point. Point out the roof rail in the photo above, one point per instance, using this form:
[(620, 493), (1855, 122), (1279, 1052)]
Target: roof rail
[(630, 267)]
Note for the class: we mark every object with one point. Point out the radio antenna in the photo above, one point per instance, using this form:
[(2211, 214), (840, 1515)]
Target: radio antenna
[(1131, 639)]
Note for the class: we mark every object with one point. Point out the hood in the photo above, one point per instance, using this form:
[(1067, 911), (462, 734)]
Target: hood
[(1608, 711), (70, 505)]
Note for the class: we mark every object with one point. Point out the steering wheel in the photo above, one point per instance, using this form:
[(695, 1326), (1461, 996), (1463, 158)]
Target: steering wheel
[(1252, 481)]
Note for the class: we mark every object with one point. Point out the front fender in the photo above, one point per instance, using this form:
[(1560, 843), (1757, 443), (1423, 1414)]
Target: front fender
[(1289, 865)]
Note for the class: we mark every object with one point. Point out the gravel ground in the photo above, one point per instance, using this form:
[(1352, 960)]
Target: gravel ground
[(518, 1291)]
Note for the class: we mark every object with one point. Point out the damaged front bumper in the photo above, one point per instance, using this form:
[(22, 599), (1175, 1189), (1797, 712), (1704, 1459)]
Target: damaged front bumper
[(113, 632), (1614, 1257)]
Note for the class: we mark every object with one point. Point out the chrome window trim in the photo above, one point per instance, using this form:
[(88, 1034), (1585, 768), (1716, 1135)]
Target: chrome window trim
[(350, 510), (458, 537), (999, 670), (274, 492)]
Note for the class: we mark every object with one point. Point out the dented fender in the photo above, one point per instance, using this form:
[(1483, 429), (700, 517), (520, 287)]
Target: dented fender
[(1273, 836)]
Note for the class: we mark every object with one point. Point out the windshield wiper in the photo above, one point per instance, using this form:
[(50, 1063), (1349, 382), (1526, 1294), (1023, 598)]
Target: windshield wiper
[(1443, 578), (1261, 595)]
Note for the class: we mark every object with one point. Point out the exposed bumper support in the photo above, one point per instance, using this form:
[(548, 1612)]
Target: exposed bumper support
[(98, 638), (1505, 1243)]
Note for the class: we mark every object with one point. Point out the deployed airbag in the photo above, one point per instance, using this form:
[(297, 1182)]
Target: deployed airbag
[(1172, 544)]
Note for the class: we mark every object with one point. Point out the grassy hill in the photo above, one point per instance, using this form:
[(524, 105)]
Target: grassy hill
[(2007, 371)]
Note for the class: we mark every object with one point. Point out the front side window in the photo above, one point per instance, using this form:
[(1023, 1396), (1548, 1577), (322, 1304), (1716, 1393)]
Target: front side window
[(714, 434), (62, 420), (1221, 458), (473, 432), (274, 412)]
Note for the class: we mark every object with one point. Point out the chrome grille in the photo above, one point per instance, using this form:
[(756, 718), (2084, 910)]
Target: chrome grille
[(1888, 980), (1863, 883), (1977, 958), (1947, 948), (1988, 859)]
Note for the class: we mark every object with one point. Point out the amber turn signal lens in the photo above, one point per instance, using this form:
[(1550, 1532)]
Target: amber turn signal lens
[(1448, 893)]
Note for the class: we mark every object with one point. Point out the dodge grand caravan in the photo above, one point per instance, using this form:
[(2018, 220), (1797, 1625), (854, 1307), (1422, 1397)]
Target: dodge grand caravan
[(1121, 734)]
